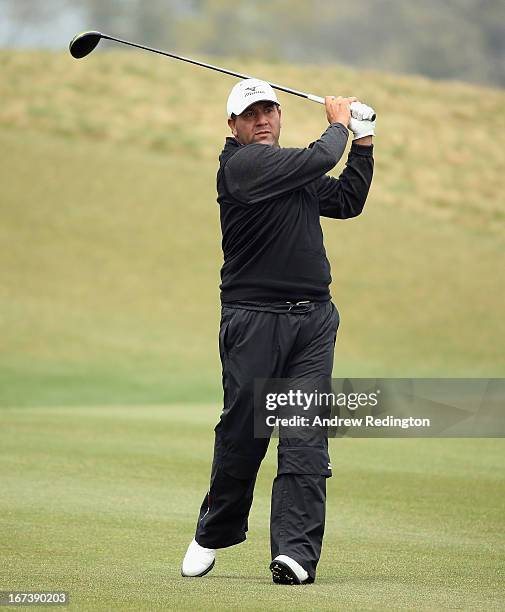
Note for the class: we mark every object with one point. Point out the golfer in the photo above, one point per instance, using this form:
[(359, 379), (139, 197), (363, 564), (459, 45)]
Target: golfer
[(277, 320)]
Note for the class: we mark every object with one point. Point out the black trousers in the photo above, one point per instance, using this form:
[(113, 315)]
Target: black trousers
[(269, 341)]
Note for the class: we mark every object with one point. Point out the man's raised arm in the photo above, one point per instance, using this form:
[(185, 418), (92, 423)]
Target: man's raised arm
[(345, 197), (258, 172)]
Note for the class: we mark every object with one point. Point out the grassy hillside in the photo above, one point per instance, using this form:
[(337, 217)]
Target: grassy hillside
[(109, 233)]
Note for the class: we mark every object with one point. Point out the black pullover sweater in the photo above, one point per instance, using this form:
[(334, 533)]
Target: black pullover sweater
[(271, 200)]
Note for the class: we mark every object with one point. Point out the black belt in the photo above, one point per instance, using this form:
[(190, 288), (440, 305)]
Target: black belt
[(300, 307)]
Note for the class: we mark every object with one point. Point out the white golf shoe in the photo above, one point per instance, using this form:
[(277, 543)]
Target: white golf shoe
[(198, 560), (286, 570)]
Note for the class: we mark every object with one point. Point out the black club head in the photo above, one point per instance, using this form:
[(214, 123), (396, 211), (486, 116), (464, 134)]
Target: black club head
[(83, 44)]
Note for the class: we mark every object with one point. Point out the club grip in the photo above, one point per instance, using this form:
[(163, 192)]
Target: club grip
[(319, 100)]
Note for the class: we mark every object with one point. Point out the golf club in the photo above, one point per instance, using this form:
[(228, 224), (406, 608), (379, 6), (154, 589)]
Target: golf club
[(83, 44)]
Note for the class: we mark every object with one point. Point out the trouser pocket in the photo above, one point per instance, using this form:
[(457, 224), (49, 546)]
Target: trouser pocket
[(303, 460)]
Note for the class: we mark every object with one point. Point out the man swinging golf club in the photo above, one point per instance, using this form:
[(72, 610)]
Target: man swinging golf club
[(277, 320)]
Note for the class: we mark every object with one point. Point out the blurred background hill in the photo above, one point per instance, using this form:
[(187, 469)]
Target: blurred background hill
[(455, 39), (109, 229), (110, 242)]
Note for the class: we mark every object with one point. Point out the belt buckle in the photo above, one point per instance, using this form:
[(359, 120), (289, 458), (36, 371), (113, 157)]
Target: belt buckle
[(300, 303)]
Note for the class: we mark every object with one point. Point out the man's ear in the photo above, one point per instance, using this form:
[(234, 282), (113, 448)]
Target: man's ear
[(231, 123), (279, 109)]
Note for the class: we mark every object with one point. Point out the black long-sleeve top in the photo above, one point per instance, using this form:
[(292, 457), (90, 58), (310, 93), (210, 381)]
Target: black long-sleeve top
[(271, 200)]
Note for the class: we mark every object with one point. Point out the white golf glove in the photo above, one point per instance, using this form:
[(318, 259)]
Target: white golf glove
[(361, 124)]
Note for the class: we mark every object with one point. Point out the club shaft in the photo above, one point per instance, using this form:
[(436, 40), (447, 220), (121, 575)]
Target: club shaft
[(288, 90), (216, 68)]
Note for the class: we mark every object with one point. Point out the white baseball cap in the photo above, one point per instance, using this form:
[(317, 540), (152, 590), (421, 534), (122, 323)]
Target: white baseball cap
[(248, 92)]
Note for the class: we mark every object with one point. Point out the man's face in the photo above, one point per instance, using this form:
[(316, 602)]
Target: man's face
[(259, 123)]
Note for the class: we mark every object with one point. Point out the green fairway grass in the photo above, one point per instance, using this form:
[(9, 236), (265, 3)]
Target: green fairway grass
[(101, 501)]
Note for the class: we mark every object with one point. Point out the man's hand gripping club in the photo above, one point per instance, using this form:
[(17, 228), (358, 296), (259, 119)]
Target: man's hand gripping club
[(353, 114)]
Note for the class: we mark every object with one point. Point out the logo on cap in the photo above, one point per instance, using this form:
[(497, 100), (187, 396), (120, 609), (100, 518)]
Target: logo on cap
[(250, 91)]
